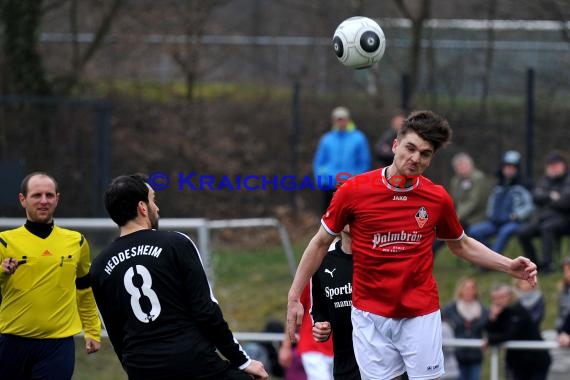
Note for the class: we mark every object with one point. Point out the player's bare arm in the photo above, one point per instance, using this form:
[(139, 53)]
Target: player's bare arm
[(477, 253), (310, 262)]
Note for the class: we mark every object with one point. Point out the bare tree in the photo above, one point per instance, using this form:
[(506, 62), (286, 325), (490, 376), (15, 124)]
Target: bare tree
[(21, 21), (193, 15), (24, 69), (79, 59), (417, 11)]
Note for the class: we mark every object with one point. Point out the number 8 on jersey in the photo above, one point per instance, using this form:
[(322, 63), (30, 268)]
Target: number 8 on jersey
[(138, 290)]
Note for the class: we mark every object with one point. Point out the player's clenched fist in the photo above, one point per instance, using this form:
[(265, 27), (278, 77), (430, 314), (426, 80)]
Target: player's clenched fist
[(256, 370), (9, 265), (321, 331)]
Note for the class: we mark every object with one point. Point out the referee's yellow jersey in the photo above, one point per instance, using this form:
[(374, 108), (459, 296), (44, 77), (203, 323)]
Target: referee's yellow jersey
[(40, 299)]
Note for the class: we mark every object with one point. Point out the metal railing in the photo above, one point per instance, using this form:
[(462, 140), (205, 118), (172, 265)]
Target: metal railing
[(201, 225), (494, 351)]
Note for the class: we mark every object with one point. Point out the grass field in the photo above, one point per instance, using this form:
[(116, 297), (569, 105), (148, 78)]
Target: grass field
[(251, 286)]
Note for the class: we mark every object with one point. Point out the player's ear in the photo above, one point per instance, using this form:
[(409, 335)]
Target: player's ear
[(142, 208), (394, 145), (22, 199)]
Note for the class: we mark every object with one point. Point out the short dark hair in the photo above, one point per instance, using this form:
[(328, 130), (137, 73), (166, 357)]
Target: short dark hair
[(26, 180), (429, 126), (123, 195)]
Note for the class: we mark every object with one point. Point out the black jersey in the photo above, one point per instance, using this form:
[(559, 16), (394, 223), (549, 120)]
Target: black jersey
[(158, 308), (331, 288)]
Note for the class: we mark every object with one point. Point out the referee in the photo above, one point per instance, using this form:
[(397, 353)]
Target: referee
[(47, 297), (155, 300)]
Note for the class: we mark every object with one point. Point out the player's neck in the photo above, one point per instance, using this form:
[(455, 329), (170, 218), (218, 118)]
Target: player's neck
[(395, 178), (133, 226), (391, 171)]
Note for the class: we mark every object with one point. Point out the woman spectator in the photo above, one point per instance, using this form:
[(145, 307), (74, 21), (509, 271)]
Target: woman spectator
[(467, 316)]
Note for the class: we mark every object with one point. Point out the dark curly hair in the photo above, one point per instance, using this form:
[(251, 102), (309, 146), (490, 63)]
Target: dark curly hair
[(123, 195), (429, 126)]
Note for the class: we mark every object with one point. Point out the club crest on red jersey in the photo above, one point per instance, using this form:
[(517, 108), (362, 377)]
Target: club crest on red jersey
[(422, 217)]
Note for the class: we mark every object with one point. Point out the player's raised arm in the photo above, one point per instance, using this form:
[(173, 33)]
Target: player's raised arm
[(310, 262), (477, 253)]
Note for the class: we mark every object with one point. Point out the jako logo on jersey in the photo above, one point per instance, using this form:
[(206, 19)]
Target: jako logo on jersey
[(331, 272), (400, 198), (394, 238), (422, 216)]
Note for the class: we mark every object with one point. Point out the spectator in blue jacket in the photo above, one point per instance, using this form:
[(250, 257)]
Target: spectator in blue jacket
[(510, 203), (343, 149)]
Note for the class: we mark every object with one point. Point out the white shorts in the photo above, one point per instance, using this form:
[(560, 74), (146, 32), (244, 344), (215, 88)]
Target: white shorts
[(386, 348), (317, 366)]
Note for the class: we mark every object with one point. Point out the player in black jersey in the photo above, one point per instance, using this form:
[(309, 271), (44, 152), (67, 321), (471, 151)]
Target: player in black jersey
[(155, 299), (331, 288)]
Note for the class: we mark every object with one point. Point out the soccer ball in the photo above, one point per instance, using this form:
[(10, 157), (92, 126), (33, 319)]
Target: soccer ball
[(359, 42)]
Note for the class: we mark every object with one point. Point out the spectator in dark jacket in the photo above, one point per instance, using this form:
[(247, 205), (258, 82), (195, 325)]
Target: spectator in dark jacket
[(467, 317), (532, 299), (551, 219), (509, 320)]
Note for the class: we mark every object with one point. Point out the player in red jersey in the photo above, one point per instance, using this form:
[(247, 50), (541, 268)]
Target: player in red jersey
[(395, 214)]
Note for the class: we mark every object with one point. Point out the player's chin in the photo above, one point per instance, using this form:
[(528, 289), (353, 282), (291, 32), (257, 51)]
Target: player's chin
[(42, 217), (412, 172)]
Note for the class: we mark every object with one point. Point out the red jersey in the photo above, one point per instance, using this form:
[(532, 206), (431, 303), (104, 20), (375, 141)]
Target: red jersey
[(306, 341), (393, 230)]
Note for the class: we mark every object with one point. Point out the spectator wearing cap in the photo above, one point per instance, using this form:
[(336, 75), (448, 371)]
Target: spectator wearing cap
[(509, 204), (343, 149), (551, 220)]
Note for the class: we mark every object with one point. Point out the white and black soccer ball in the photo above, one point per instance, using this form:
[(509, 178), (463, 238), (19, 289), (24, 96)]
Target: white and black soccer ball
[(359, 42)]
